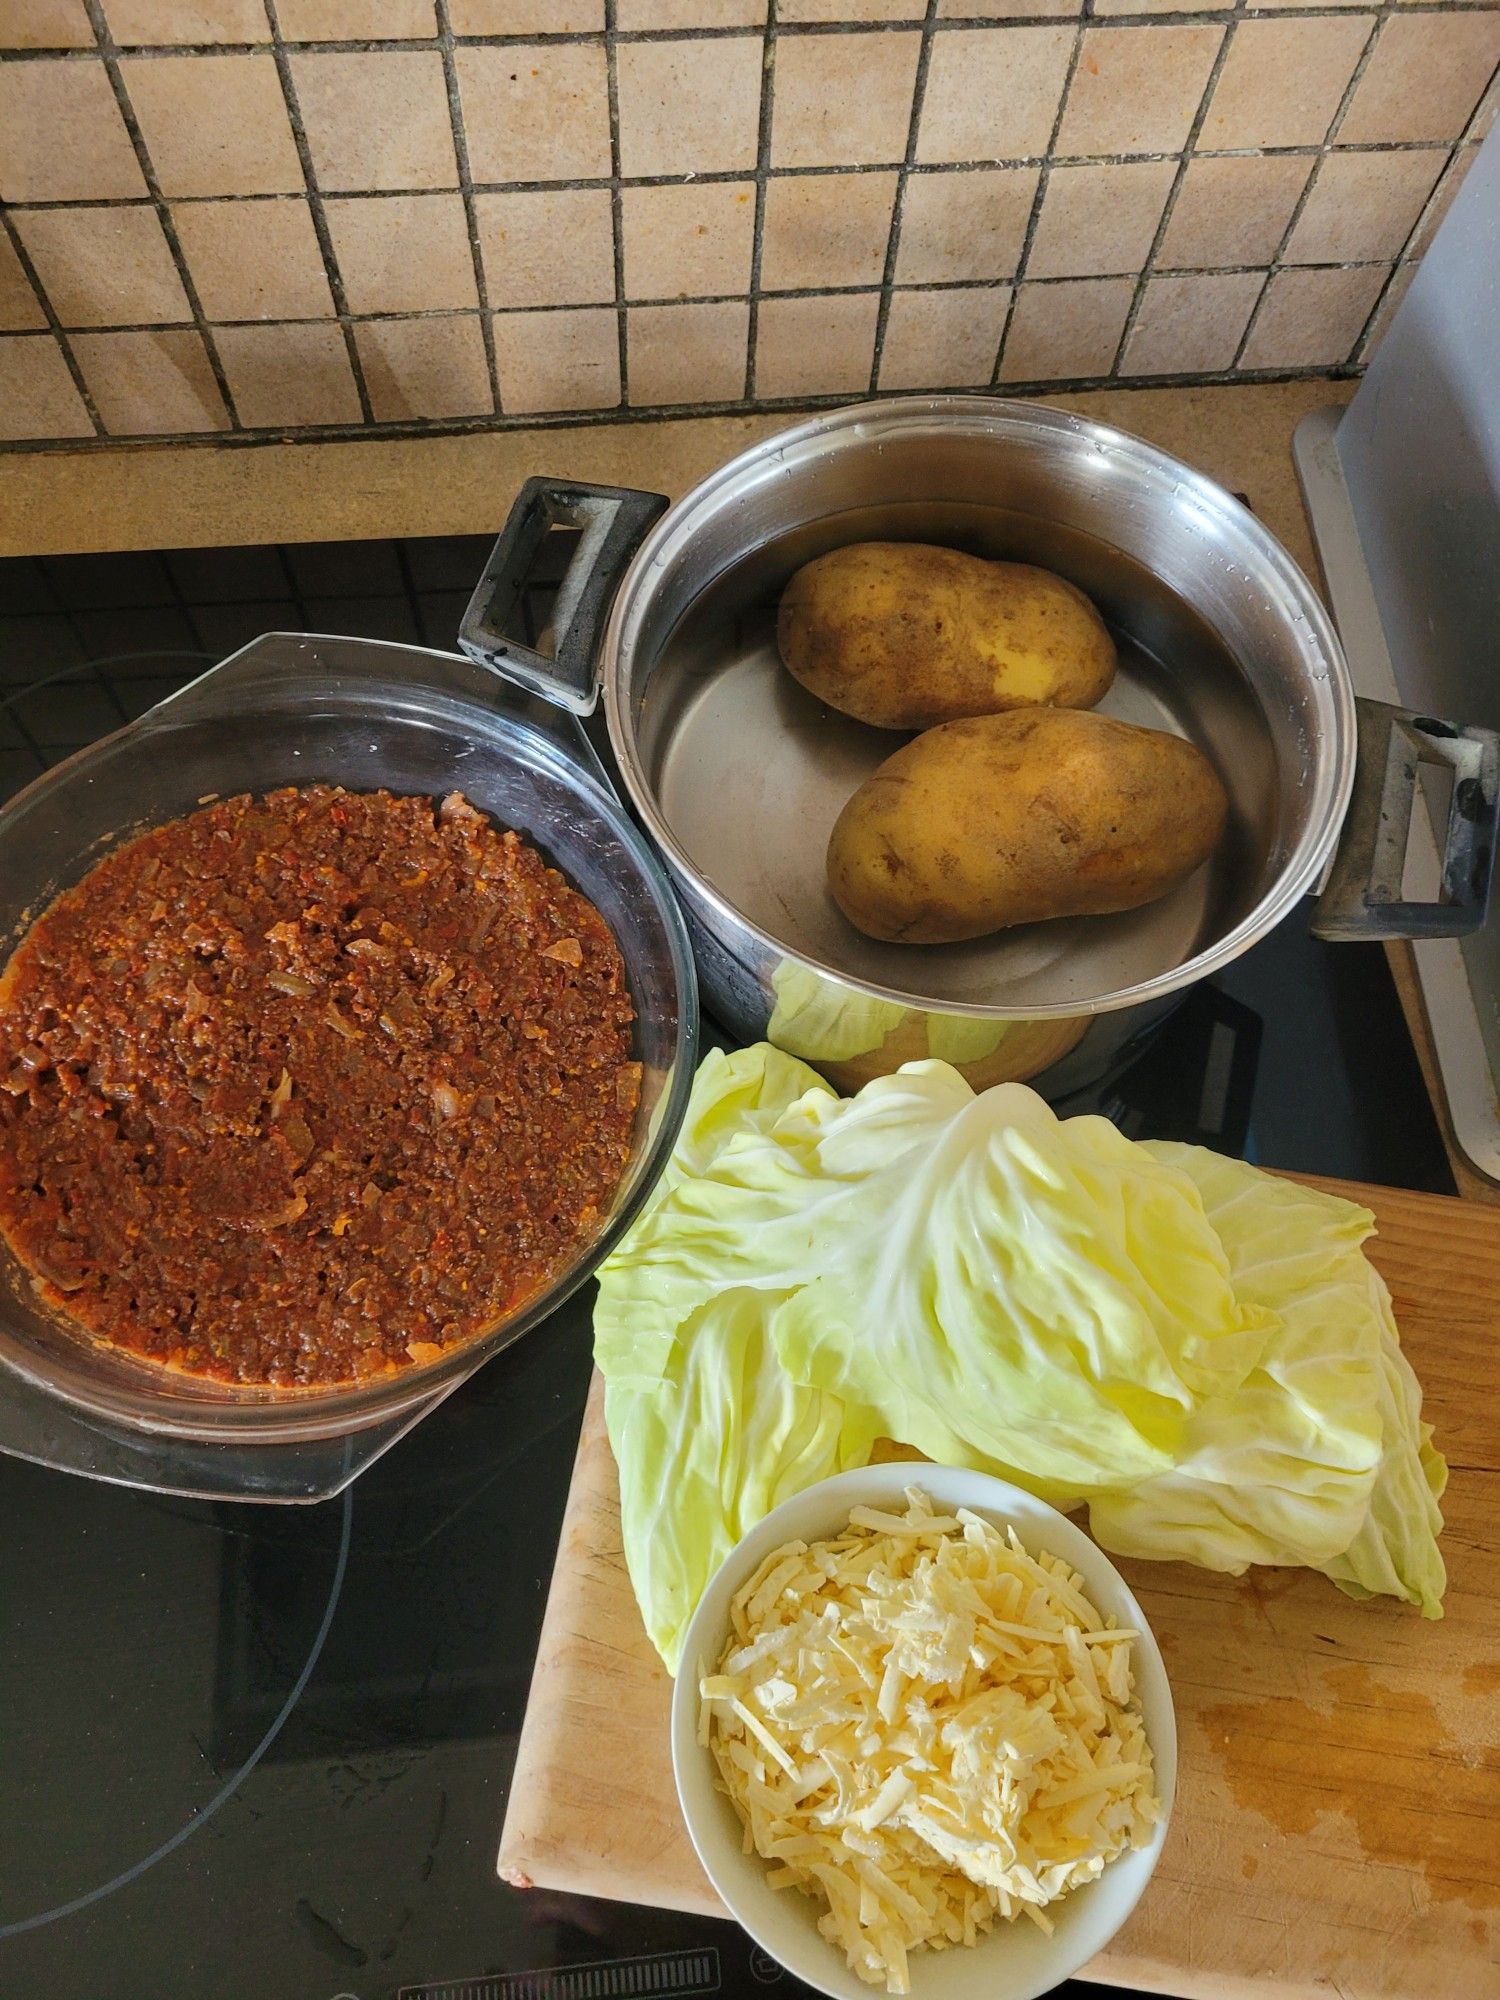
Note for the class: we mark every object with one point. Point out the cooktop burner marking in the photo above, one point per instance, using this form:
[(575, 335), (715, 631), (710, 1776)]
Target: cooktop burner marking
[(655, 1976), (227, 1790)]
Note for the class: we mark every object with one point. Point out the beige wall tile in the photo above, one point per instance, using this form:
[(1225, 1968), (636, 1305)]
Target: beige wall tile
[(1105, 8), (254, 259), (1191, 325), (1066, 330), (690, 240), (62, 137), (283, 376), (1363, 206), (403, 253), (1137, 90), (826, 229), (1009, 10), (1233, 211), (20, 309), (376, 120), (104, 266), (1282, 81), (851, 10), (687, 354), (637, 14), (1425, 77), (816, 347), (550, 248), (535, 114), (843, 100), (1442, 200), (1395, 292), (558, 360), (45, 24), (993, 93), (1097, 220), (356, 20), (37, 396), (689, 107), (970, 223), (425, 368), (527, 17), (214, 124), (162, 23), (151, 384), (1312, 319), (943, 340)]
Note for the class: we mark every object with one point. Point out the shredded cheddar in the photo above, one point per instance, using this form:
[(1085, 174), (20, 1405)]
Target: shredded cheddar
[(926, 1729)]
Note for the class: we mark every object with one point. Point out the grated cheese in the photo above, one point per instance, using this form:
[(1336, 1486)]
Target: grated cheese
[(928, 1730)]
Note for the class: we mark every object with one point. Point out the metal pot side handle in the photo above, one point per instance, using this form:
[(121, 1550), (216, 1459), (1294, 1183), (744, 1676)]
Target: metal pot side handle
[(1363, 897), (614, 521)]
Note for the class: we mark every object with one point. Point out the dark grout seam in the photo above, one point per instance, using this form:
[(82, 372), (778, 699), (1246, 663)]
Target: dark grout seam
[(935, 285), (423, 428), (616, 199), (1359, 352), (54, 324), (1277, 262), (1148, 263), (110, 56), (319, 215), (898, 207), (466, 186), (1085, 21), (762, 173)]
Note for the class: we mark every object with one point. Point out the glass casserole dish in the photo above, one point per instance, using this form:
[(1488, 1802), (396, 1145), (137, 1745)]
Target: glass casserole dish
[(362, 714)]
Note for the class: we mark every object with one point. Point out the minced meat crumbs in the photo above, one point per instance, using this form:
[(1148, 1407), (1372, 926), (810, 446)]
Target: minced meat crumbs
[(301, 1090)]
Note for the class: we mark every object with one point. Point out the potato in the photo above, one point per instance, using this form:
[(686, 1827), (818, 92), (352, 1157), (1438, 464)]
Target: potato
[(1006, 819), (903, 636)]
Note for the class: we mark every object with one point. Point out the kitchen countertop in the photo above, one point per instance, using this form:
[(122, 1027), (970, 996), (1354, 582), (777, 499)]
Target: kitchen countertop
[(197, 496)]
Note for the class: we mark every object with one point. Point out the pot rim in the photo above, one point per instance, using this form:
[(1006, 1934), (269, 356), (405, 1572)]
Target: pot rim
[(1003, 418)]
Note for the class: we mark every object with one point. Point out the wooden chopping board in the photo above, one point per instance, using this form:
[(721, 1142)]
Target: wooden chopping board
[(1337, 1826)]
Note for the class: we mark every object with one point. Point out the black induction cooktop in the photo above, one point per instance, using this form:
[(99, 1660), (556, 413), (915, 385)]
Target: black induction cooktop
[(263, 1753)]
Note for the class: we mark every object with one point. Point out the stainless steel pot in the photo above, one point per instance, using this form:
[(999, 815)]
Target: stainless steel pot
[(738, 774)]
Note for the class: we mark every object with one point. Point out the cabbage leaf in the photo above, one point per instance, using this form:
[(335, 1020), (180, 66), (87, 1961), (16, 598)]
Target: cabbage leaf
[(1198, 1350)]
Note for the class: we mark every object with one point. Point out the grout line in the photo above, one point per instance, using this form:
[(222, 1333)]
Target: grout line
[(616, 200), (715, 298), (769, 34), (1032, 220), (319, 216), (898, 206), (1406, 252), (1277, 263), (466, 185), (54, 324), (422, 428), (110, 55), (374, 45), (747, 174), (1138, 297)]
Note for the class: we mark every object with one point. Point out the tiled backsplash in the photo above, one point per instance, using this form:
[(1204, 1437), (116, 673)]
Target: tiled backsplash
[(346, 215)]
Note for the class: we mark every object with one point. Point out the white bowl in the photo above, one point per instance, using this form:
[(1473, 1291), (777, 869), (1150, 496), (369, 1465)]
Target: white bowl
[(1014, 1961)]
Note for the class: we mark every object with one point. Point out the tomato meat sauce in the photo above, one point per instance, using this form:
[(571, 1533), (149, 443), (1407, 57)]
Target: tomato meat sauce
[(305, 1089)]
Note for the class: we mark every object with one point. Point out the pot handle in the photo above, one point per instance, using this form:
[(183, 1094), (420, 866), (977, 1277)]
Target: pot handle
[(1362, 898), (614, 521)]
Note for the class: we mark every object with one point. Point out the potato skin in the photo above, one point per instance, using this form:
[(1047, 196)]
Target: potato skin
[(904, 635), (1008, 819)]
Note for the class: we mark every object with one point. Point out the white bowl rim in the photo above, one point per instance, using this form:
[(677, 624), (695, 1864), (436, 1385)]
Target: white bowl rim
[(713, 1826)]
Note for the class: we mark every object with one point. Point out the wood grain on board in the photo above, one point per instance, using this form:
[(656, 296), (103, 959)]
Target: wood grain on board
[(1337, 1827)]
